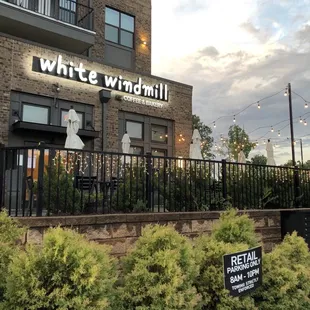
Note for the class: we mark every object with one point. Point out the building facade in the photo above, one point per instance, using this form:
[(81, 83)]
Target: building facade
[(94, 56)]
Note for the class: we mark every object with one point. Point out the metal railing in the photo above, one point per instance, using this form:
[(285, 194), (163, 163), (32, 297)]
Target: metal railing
[(68, 11), (46, 181)]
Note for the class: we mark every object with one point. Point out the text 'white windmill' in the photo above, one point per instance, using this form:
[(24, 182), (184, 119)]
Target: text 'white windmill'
[(195, 147), (73, 141)]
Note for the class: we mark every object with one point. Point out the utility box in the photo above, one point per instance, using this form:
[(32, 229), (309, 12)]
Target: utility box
[(296, 220)]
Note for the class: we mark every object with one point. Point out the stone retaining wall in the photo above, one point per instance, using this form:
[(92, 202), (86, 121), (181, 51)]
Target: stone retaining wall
[(122, 230)]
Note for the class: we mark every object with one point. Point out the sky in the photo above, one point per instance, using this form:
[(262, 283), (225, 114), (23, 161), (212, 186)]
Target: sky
[(235, 53)]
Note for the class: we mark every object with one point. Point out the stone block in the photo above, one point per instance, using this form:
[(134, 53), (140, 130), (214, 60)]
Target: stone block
[(274, 221), (126, 230), (97, 232), (118, 246), (34, 236), (260, 222), (182, 226), (202, 225)]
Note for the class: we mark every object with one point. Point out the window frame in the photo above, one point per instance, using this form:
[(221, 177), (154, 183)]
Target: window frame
[(138, 147), (160, 150), (36, 106), (142, 129), (82, 123), (165, 140), (120, 29)]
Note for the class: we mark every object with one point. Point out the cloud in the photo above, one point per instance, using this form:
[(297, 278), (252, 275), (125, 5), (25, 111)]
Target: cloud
[(248, 26), (240, 61), (209, 51)]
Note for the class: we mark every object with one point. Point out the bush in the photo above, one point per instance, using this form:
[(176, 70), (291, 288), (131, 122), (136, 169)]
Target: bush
[(159, 272), (10, 232), (232, 228), (68, 272), (59, 194), (210, 282), (286, 277)]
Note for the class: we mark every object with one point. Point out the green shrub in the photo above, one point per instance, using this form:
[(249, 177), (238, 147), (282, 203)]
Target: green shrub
[(59, 194), (67, 272), (234, 228), (286, 277), (10, 232), (210, 282), (159, 272)]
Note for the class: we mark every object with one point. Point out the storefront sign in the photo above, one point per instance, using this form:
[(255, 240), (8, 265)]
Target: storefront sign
[(79, 73), (141, 101), (243, 271)]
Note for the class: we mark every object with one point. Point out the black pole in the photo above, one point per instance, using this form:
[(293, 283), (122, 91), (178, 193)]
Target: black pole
[(291, 123), (296, 172), (302, 154)]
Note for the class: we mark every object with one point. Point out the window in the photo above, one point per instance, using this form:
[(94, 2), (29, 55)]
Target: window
[(136, 150), (159, 133), (64, 118), (157, 152), (119, 27), (134, 129), (67, 9), (35, 114)]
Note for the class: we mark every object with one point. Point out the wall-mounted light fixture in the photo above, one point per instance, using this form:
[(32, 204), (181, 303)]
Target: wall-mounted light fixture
[(56, 87)]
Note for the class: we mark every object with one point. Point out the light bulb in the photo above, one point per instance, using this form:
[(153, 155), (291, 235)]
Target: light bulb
[(272, 130), (245, 139), (214, 125), (235, 142), (279, 134), (258, 105), (305, 122), (234, 119), (306, 105), (285, 94), (300, 120)]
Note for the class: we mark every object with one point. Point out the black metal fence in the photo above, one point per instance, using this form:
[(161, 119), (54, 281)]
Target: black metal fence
[(46, 181), (68, 11)]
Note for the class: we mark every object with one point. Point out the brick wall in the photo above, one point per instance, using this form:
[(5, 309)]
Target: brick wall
[(122, 230), (16, 69), (142, 11)]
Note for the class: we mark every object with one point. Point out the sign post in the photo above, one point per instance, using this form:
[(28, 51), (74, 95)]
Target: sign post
[(243, 271)]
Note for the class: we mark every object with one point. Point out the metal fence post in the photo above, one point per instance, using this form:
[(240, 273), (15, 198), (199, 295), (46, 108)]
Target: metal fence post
[(224, 178), (40, 197), (149, 172)]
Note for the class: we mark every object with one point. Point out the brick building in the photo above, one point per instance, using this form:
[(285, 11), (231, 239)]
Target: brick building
[(94, 55)]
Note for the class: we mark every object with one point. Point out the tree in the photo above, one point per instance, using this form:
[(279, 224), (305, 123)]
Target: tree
[(259, 160), (206, 139), (238, 139)]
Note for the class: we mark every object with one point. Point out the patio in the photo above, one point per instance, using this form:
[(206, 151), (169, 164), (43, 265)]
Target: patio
[(45, 181)]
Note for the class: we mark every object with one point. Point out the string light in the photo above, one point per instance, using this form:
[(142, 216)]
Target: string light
[(279, 134), (248, 106), (305, 122), (306, 105), (272, 130), (258, 105), (300, 120), (214, 125), (234, 118), (285, 94)]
